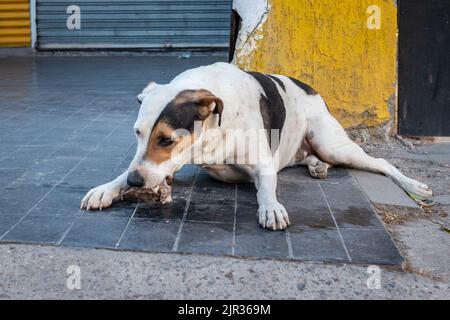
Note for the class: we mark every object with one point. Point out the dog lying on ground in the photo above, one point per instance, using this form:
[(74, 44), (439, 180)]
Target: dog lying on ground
[(188, 119)]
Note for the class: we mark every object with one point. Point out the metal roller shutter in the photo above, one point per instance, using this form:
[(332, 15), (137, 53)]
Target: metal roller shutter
[(14, 23), (135, 24)]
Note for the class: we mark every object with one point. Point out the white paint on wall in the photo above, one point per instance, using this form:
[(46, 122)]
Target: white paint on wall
[(33, 23), (254, 15)]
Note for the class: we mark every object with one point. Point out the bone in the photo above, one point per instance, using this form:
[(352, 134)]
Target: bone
[(162, 193)]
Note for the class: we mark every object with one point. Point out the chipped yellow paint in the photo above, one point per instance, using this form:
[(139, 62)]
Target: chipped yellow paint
[(327, 44)]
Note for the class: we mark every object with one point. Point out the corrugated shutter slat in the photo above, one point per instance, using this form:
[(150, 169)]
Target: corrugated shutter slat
[(136, 24)]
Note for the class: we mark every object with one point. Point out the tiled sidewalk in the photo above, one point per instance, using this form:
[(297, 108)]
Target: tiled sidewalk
[(67, 126)]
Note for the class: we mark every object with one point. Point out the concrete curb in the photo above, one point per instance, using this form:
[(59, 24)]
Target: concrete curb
[(382, 190)]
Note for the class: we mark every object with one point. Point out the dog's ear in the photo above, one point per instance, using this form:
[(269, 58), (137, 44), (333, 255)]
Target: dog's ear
[(140, 97), (207, 104)]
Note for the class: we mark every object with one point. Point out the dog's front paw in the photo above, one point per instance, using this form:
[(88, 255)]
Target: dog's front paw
[(273, 215), (100, 197)]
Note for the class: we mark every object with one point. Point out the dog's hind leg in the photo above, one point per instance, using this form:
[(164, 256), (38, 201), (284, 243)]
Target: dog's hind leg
[(316, 167), (331, 143)]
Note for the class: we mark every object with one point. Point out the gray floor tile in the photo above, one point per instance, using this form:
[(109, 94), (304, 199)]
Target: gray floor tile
[(350, 207), (254, 241), (246, 203), (91, 231), (318, 245), (117, 210), (185, 176), (246, 213), (212, 201), (19, 199), (211, 212), (7, 176), (47, 173), (157, 211), (371, 247), (61, 201), (305, 205), (87, 179), (150, 235), (211, 238), (42, 230), (169, 211), (6, 222), (354, 216)]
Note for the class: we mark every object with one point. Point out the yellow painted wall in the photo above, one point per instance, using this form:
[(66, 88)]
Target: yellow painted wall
[(14, 23), (326, 43)]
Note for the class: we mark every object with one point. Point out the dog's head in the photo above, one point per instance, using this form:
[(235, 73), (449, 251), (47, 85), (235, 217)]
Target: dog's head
[(165, 131)]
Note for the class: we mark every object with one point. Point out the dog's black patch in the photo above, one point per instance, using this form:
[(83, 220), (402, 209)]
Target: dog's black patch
[(179, 117), (278, 80), (309, 90), (272, 108)]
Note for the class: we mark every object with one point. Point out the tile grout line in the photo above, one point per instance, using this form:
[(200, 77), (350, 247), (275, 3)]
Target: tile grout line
[(113, 175), (233, 244), (71, 115), (336, 224), (42, 134), (126, 227), (57, 243), (289, 243), (204, 221), (41, 199), (366, 196), (33, 106), (60, 181), (12, 117), (59, 146), (375, 212), (47, 193), (188, 201), (77, 217)]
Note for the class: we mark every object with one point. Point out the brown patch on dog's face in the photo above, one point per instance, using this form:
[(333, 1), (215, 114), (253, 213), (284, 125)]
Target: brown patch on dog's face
[(164, 142), (160, 144), (181, 113)]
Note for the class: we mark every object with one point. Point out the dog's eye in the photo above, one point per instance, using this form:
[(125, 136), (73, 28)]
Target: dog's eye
[(165, 141), (138, 133)]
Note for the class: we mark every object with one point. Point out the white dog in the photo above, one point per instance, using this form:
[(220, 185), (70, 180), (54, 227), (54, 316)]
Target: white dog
[(224, 98)]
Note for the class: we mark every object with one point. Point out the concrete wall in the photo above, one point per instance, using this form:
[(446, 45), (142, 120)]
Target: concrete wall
[(329, 45)]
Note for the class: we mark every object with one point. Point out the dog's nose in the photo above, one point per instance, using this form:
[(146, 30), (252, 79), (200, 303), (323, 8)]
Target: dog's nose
[(135, 179)]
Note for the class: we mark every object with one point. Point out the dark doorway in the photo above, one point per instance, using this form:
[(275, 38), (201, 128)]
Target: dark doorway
[(234, 33), (424, 67)]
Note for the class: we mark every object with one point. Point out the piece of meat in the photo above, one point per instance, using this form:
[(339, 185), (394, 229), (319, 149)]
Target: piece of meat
[(163, 193)]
